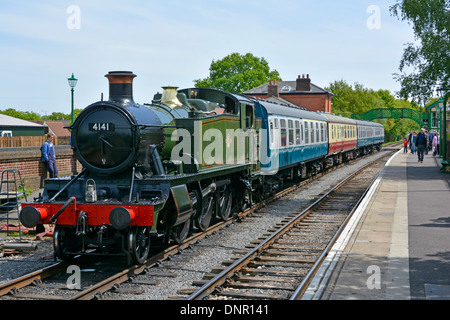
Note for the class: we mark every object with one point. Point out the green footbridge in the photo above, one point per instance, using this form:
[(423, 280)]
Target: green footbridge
[(400, 113)]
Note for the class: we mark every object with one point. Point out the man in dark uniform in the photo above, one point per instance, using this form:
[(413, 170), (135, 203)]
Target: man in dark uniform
[(421, 144)]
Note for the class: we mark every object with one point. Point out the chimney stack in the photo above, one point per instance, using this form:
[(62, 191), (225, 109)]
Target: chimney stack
[(121, 86), (272, 89), (303, 84)]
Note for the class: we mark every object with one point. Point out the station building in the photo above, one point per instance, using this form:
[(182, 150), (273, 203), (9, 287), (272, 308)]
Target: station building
[(301, 92)]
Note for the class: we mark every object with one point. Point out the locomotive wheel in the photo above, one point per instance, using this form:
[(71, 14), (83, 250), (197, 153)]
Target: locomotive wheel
[(181, 231), (138, 244), (204, 212), (244, 203), (224, 200), (64, 239)]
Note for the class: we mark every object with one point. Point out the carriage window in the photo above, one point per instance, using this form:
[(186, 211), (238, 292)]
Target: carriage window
[(306, 132), (297, 133), (322, 132), (291, 132), (271, 131), (312, 132), (317, 132), (276, 124), (301, 132), (283, 132)]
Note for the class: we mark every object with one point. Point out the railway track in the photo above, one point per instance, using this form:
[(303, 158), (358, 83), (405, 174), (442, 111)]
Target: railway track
[(282, 265), (109, 275)]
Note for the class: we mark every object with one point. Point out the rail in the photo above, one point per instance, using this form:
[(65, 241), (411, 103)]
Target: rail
[(224, 277)]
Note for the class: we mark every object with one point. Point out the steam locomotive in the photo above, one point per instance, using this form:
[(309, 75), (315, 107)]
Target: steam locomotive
[(167, 168)]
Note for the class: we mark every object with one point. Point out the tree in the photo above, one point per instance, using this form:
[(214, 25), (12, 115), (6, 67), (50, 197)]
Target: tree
[(348, 100), (430, 58), (24, 115), (238, 73), (58, 116), (30, 115)]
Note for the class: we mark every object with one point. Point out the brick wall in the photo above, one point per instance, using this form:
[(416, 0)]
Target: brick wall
[(28, 161), (312, 102)]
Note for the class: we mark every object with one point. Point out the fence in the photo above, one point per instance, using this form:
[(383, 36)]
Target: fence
[(17, 142), (28, 161)]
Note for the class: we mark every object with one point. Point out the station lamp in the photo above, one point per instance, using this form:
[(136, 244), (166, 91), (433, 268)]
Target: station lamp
[(72, 83)]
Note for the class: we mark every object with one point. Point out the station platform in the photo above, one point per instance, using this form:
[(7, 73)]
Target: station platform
[(397, 245)]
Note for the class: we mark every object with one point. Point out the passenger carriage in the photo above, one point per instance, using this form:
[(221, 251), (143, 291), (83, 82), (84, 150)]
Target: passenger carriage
[(342, 139), (370, 136), (293, 140)]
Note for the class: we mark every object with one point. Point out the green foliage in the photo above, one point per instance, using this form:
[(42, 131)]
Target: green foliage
[(238, 73), (348, 100), (30, 116), (429, 58), (24, 115)]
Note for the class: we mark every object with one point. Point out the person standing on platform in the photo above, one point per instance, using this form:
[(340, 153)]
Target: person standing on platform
[(413, 142), (49, 156), (421, 144), (410, 137), (430, 140), (405, 145), (438, 142), (435, 144)]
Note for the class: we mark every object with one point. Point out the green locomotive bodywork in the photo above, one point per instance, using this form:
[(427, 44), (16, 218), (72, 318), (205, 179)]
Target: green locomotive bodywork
[(211, 141)]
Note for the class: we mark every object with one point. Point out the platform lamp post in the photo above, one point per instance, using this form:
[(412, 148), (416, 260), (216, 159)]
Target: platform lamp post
[(444, 135), (72, 83)]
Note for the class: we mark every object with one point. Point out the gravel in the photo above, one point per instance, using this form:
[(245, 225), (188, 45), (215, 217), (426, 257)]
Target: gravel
[(201, 258)]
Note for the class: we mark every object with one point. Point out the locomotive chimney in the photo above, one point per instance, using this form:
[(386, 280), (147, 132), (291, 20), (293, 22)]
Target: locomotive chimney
[(121, 86)]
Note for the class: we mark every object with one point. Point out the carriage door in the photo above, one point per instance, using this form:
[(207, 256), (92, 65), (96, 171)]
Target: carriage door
[(274, 139)]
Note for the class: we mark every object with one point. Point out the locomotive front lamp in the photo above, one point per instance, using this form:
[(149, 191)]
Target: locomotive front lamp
[(72, 83)]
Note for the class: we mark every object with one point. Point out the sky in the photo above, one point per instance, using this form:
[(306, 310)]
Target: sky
[(173, 42)]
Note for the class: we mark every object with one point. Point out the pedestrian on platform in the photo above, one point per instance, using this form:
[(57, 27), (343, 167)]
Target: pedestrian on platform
[(413, 142), (405, 145), (430, 140), (421, 144), (435, 144), (410, 140), (49, 156), (438, 142)]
